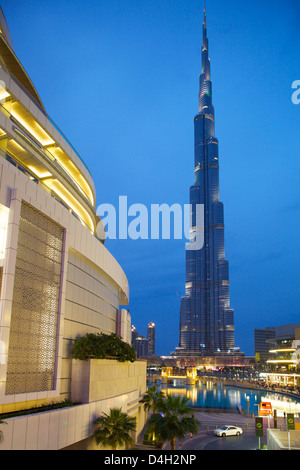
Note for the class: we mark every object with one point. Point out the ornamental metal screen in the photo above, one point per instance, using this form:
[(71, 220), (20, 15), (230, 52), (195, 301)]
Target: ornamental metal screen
[(34, 316)]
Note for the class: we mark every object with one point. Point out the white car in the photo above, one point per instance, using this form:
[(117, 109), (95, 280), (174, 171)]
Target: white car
[(228, 431)]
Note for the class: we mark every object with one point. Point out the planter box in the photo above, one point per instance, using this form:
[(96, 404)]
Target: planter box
[(100, 379), (99, 384)]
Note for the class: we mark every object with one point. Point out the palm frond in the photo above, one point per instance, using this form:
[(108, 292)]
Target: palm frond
[(114, 428)]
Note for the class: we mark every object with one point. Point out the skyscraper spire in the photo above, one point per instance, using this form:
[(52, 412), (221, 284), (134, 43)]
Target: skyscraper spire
[(206, 319), (205, 87), (204, 23)]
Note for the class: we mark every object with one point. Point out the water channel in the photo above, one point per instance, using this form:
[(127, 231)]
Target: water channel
[(218, 395)]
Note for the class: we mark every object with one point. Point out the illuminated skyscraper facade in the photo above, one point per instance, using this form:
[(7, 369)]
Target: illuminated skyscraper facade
[(151, 338), (206, 319)]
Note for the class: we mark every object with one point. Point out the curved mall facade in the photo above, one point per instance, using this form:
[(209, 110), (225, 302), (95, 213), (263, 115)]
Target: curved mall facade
[(57, 279)]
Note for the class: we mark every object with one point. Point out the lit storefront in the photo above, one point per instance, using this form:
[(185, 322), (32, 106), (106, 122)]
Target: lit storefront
[(283, 365)]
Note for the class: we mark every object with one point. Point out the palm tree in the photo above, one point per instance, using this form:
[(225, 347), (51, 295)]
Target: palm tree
[(114, 428), (174, 419), (1, 433), (151, 401), (152, 398)]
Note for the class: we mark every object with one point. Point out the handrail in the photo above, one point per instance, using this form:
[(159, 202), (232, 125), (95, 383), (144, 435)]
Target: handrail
[(45, 114), (36, 180), (33, 142), (52, 193)]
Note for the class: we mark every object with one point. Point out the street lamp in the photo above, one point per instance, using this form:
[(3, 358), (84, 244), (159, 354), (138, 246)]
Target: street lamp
[(248, 403)]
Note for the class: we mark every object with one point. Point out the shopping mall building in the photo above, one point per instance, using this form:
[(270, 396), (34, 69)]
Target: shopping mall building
[(57, 279)]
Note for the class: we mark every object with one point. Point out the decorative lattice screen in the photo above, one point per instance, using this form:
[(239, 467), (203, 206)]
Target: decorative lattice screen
[(33, 329)]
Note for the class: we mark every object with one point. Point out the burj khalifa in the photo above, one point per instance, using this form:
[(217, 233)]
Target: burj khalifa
[(206, 319)]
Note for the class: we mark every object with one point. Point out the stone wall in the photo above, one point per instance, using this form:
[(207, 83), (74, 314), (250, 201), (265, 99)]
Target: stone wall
[(98, 385), (99, 379)]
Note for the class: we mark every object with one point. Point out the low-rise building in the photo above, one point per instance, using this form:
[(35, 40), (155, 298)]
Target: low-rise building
[(283, 362), (261, 347)]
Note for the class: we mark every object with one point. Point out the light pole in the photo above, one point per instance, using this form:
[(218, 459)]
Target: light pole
[(248, 404)]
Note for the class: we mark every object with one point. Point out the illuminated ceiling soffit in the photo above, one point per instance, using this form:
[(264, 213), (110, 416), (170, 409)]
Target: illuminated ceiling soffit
[(15, 67)]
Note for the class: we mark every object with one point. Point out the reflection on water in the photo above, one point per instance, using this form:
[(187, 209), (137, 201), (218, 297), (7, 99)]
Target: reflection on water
[(217, 395)]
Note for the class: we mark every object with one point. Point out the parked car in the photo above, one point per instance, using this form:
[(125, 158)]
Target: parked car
[(228, 431)]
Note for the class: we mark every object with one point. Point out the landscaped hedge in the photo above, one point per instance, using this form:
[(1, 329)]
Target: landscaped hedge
[(39, 409), (102, 346)]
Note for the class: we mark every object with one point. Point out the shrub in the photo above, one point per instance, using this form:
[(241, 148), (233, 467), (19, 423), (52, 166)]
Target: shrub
[(102, 346)]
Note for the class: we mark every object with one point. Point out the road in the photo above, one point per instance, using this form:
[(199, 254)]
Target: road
[(245, 442), (205, 439)]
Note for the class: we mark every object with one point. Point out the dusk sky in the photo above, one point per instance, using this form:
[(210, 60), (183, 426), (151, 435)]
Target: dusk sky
[(120, 78)]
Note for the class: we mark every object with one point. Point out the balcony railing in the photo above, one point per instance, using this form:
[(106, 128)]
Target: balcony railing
[(44, 112), (33, 178), (25, 135)]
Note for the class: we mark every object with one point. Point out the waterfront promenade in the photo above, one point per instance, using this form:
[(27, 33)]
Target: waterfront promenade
[(239, 383), (253, 385)]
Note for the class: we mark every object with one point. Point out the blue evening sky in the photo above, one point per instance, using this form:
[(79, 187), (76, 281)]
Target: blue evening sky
[(120, 78)]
